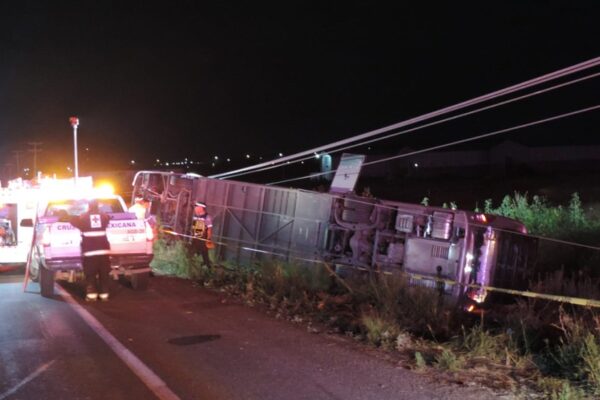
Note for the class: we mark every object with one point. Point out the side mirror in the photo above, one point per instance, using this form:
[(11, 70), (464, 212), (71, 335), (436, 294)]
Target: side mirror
[(26, 223)]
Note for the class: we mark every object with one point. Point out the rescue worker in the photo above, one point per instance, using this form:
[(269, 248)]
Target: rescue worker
[(95, 250), (202, 232), (139, 208)]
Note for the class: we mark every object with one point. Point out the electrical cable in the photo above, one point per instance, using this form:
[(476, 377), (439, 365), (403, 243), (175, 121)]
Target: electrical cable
[(502, 92), (453, 143), (538, 92)]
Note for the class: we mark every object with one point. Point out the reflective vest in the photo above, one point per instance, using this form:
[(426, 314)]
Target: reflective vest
[(93, 234), (200, 225)]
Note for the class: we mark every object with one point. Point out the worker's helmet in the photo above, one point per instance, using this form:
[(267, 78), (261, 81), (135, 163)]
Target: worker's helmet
[(200, 204)]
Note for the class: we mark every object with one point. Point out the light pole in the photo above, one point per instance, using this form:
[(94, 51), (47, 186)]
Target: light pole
[(75, 123)]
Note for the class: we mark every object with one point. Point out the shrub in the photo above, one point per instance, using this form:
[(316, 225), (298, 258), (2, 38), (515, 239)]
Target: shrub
[(171, 258), (541, 218)]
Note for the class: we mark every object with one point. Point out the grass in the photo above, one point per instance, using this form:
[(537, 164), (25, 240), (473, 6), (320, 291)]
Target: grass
[(449, 361), (576, 355), (380, 331)]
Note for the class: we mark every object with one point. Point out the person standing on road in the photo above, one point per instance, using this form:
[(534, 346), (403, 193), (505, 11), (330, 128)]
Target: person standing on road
[(201, 231), (95, 250)]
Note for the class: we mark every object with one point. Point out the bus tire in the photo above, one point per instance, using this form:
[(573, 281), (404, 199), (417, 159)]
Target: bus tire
[(140, 281), (46, 282)]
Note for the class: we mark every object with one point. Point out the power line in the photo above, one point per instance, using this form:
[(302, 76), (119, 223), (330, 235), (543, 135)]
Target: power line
[(538, 92), (511, 89), (461, 141)]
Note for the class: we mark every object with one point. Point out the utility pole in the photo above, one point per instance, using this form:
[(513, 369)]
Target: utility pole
[(35, 150), (17, 154), (74, 124)]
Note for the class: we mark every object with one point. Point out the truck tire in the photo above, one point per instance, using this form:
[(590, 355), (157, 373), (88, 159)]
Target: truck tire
[(34, 267), (46, 282), (140, 281)]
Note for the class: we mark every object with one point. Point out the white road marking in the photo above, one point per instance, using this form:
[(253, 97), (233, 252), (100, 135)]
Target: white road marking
[(152, 381), (31, 377)]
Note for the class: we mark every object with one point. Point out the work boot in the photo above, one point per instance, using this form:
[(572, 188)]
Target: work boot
[(103, 296), (91, 297)]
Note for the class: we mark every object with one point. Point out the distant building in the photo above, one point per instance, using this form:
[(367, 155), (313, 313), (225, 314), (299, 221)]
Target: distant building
[(503, 159)]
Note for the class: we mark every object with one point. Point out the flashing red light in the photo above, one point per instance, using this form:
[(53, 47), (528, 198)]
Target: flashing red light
[(481, 218), (74, 122)]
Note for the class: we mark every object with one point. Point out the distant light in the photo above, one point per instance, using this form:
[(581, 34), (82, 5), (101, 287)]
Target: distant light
[(216, 157), (280, 154), (157, 160), (301, 162), (229, 160), (247, 155), (416, 165), (167, 164), (260, 158), (317, 156), (132, 162), (213, 164), (87, 149), (369, 148)]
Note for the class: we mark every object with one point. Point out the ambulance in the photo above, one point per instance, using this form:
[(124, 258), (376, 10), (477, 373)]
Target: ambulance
[(18, 203)]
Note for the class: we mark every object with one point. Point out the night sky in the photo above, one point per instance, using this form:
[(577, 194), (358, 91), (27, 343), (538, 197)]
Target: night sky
[(197, 79)]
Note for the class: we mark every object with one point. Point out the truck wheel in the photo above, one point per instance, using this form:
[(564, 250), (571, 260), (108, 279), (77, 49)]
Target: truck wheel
[(46, 282), (140, 281), (34, 267)]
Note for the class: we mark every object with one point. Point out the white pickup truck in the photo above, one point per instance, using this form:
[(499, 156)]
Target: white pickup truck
[(57, 243)]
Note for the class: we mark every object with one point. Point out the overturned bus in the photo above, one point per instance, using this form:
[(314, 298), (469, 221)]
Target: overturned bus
[(456, 249)]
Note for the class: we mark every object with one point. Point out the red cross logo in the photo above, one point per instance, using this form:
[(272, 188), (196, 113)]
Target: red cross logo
[(95, 221)]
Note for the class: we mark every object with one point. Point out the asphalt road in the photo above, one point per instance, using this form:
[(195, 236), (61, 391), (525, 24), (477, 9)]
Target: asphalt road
[(199, 343)]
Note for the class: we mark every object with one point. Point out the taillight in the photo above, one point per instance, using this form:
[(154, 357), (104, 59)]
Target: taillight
[(149, 232), (46, 236)]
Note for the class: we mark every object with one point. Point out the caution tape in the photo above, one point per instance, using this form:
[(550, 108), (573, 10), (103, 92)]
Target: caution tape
[(523, 293)]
